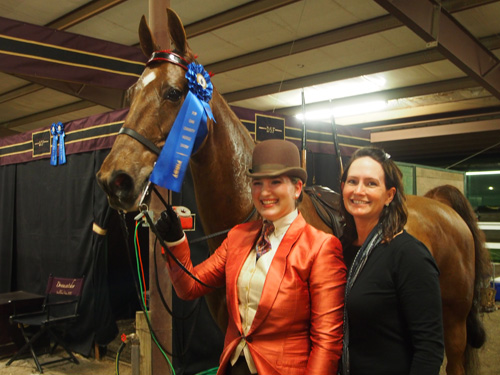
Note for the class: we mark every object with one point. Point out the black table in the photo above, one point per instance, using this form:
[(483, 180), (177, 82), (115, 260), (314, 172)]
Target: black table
[(19, 301)]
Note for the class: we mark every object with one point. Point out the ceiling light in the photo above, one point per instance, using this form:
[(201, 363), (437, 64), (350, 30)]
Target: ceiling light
[(481, 173), (345, 88), (344, 111)]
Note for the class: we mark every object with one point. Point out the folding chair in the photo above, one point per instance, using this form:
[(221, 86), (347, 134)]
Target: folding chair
[(59, 312)]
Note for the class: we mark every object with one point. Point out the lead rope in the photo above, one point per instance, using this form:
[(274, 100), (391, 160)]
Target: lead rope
[(144, 209)]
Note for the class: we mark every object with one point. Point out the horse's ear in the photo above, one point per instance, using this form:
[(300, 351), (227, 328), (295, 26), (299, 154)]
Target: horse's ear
[(176, 31), (148, 43)]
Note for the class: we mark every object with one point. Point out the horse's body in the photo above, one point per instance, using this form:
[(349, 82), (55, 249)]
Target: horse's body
[(223, 193)]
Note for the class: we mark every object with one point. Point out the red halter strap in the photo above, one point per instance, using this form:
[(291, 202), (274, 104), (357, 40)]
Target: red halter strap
[(169, 56)]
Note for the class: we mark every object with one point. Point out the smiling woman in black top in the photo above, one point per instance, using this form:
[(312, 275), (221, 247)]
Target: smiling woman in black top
[(393, 317)]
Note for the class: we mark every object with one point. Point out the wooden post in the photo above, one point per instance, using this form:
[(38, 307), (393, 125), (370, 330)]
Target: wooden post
[(142, 331), (158, 22), (161, 321)]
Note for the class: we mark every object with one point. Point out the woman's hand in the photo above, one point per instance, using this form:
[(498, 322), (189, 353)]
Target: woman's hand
[(169, 226)]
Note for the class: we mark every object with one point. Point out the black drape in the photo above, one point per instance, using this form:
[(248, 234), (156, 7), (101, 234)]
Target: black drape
[(55, 210), (197, 340), (7, 208)]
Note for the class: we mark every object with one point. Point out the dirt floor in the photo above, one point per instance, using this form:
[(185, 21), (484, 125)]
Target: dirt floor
[(87, 366), (489, 357)]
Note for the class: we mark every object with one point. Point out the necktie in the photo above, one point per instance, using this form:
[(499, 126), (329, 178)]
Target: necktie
[(263, 244)]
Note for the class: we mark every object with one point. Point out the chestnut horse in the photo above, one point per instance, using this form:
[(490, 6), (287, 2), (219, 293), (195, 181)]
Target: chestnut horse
[(223, 192)]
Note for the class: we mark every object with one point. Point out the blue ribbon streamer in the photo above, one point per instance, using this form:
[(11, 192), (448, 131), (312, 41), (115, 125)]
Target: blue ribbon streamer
[(189, 127), (187, 133), (53, 153), (62, 148)]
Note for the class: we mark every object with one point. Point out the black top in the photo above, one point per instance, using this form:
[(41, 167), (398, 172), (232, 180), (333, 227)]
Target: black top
[(394, 309)]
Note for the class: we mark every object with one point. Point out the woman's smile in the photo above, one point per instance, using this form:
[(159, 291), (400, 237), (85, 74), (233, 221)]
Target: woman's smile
[(364, 191), (275, 197)]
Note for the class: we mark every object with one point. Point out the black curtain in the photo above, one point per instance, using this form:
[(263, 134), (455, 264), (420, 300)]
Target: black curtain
[(197, 340), (324, 170), (7, 209), (55, 210)]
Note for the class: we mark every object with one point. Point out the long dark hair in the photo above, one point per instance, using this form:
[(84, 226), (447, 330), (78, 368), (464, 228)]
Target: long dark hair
[(393, 217)]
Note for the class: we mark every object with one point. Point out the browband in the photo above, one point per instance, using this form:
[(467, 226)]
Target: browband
[(167, 55)]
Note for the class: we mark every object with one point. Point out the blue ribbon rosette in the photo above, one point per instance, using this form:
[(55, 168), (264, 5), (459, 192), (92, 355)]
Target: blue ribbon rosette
[(188, 131), (62, 148), (53, 152)]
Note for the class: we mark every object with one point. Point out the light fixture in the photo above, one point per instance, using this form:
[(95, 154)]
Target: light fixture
[(345, 111), (481, 173)]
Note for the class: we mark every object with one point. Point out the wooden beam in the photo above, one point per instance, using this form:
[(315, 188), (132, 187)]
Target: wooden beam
[(82, 13), (50, 113), (434, 24), (233, 15), (392, 63)]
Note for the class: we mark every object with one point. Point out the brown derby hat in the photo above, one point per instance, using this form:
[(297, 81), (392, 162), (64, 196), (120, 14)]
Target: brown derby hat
[(276, 157)]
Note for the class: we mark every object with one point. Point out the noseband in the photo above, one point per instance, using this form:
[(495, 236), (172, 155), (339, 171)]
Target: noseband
[(141, 139)]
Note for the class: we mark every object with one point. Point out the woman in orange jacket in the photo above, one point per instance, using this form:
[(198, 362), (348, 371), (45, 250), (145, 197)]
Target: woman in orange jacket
[(284, 285)]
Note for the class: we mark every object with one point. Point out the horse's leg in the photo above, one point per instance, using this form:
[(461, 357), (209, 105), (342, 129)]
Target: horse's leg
[(455, 339)]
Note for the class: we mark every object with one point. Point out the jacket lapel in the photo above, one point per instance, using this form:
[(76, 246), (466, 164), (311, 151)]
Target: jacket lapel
[(277, 271), (241, 245)]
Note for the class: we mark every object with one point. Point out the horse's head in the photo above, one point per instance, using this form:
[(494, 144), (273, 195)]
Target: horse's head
[(155, 100)]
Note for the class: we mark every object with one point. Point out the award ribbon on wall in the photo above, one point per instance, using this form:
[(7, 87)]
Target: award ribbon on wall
[(53, 153), (62, 148), (187, 133)]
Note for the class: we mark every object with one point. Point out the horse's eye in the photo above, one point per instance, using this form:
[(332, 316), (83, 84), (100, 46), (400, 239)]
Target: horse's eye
[(173, 95)]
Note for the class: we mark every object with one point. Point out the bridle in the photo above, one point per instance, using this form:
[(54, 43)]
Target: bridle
[(141, 139), (157, 56), (176, 59)]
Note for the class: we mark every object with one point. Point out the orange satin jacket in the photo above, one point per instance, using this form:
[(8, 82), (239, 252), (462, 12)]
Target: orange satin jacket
[(298, 324)]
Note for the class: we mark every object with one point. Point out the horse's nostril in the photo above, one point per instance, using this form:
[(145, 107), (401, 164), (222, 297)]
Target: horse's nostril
[(122, 182)]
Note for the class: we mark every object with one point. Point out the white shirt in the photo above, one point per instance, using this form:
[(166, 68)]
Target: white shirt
[(251, 282)]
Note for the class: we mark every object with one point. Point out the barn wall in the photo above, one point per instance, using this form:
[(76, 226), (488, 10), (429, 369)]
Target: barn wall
[(428, 178), (419, 179)]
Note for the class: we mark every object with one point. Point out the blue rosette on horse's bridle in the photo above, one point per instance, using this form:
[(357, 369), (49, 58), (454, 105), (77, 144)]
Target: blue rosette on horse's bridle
[(188, 131)]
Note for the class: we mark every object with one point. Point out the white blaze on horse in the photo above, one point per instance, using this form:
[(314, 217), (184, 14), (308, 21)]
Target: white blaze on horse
[(223, 191)]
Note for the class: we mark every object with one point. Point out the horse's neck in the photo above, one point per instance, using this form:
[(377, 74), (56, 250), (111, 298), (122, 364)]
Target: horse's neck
[(218, 169)]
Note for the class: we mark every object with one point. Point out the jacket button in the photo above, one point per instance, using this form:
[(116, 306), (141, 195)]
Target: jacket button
[(249, 339)]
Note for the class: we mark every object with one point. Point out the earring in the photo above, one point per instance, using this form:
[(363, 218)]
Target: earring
[(387, 204)]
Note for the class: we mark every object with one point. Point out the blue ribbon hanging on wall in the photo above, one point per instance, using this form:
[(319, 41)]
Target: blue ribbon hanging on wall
[(62, 148), (187, 133), (53, 152), (58, 135)]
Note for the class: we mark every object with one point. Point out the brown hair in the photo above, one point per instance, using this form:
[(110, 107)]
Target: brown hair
[(393, 217), (295, 180)]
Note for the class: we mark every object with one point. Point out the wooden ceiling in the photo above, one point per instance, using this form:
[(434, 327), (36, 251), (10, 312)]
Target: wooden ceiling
[(435, 65)]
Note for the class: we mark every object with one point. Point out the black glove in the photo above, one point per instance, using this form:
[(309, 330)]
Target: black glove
[(169, 226)]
